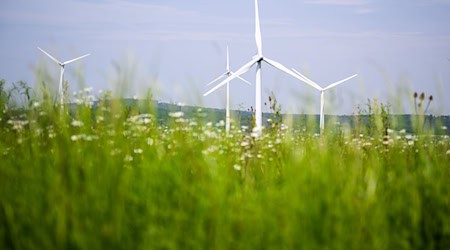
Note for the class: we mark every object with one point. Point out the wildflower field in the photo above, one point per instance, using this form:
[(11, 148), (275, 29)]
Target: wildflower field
[(114, 177)]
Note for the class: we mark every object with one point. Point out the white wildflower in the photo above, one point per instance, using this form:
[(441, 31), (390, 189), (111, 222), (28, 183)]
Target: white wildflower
[(237, 167), (76, 123), (17, 124), (448, 152), (444, 127), (150, 141), (176, 114), (138, 151), (410, 143), (128, 158), (87, 90), (51, 135), (91, 137)]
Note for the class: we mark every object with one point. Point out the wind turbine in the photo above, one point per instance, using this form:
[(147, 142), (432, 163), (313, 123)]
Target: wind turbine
[(322, 94), (257, 59), (61, 79), (228, 73)]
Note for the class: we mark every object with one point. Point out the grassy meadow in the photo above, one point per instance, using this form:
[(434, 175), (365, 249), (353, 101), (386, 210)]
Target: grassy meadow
[(114, 177)]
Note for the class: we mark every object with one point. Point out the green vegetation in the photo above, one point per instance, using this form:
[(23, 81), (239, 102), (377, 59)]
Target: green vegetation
[(114, 177)]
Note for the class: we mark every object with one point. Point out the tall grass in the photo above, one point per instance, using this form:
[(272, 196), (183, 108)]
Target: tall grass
[(112, 177)]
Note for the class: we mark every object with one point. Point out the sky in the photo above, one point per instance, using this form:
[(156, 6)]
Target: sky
[(175, 47)]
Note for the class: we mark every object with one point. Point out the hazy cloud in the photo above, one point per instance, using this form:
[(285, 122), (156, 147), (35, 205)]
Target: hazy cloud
[(123, 19), (362, 6), (338, 2), (365, 10), (443, 1)]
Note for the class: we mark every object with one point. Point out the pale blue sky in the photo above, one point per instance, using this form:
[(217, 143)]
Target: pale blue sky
[(175, 47)]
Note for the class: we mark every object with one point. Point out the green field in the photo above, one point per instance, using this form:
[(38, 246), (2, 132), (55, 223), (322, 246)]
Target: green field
[(114, 177)]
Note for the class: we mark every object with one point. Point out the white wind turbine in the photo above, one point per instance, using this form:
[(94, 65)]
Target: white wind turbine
[(228, 73), (257, 59), (61, 79), (322, 94)]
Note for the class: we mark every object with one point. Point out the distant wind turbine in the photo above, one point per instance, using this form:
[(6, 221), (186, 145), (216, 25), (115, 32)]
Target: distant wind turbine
[(322, 94), (257, 59), (228, 73), (61, 79)]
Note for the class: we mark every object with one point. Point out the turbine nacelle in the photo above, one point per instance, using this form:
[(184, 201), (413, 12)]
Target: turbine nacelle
[(258, 58)]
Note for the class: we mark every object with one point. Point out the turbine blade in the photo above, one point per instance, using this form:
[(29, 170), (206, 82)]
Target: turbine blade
[(215, 80), (240, 78), (239, 72), (76, 59), (258, 37), (339, 82), (51, 57), (307, 79), (288, 71)]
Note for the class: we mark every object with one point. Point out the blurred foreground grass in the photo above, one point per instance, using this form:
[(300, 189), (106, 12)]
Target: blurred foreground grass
[(114, 178)]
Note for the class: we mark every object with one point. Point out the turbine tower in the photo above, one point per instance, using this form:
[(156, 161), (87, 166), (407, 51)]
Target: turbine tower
[(257, 59), (228, 73), (61, 78), (322, 94)]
